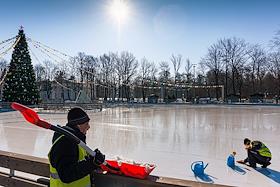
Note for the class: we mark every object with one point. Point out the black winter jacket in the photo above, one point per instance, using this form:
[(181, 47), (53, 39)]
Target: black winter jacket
[(64, 156)]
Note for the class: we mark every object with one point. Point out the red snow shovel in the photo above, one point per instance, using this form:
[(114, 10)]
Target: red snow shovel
[(32, 117)]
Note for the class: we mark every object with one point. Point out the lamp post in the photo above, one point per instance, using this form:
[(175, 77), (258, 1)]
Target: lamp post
[(194, 81)]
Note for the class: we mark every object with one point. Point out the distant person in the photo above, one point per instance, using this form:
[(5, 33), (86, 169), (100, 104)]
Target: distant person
[(258, 153), (70, 165)]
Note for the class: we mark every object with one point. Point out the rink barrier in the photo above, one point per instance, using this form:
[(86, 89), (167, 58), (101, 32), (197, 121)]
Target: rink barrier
[(57, 106), (67, 106), (18, 170)]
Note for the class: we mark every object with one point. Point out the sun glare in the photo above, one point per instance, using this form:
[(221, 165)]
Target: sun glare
[(119, 11)]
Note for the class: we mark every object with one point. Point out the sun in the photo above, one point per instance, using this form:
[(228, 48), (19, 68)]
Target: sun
[(119, 11)]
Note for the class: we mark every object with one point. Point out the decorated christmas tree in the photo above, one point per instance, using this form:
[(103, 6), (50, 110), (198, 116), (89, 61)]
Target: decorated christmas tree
[(20, 85)]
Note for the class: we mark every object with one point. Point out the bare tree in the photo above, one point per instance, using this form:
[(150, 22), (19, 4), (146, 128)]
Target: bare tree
[(202, 74), (3, 72), (188, 71), (153, 75), (119, 69), (106, 69), (213, 61), (176, 61), (64, 67), (129, 63), (90, 70), (145, 71), (50, 70), (188, 77), (274, 59), (225, 46), (164, 73), (153, 72), (234, 54), (67, 80), (73, 68), (113, 76), (80, 60), (39, 72), (164, 76), (3, 64), (275, 42), (257, 65), (3, 68)]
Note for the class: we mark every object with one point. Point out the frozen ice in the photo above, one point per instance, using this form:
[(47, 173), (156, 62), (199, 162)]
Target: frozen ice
[(172, 137)]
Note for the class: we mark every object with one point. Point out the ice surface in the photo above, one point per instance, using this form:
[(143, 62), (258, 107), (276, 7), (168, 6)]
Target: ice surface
[(172, 137)]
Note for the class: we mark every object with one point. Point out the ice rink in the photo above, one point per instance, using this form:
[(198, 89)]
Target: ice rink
[(171, 136)]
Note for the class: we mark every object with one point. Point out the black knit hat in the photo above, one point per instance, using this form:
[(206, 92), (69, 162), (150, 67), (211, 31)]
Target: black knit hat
[(77, 116), (247, 141)]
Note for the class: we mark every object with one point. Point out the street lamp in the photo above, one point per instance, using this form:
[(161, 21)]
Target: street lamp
[(193, 65)]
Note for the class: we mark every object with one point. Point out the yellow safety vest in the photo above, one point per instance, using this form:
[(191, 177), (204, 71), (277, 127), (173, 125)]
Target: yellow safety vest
[(54, 177), (264, 151)]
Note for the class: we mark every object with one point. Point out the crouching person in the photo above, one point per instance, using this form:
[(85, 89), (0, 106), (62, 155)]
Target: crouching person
[(258, 153)]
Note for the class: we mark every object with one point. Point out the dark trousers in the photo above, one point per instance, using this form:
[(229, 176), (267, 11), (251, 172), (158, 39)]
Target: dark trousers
[(255, 158)]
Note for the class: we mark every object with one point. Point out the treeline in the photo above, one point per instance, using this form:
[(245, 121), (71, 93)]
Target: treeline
[(115, 75), (242, 68)]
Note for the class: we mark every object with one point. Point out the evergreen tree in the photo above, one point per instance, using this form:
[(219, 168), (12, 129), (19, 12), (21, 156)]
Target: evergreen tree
[(20, 85)]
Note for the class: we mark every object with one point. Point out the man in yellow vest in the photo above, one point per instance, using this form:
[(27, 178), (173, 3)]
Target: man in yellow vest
[(258, 153), (70, 165)]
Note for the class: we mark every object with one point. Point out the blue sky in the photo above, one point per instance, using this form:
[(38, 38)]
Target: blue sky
[(155, 29)]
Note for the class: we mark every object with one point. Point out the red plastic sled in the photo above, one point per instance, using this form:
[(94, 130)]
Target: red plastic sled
[(128, 169)]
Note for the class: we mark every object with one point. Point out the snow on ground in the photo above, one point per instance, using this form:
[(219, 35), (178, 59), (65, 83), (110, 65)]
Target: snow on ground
[(172, 137)]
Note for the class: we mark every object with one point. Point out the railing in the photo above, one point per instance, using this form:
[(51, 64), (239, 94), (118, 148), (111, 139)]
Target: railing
[(5, 106), (39, 168), (27, 164)]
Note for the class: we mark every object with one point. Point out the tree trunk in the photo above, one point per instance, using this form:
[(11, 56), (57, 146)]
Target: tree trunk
[(143, 92), (226, 84), (233, 82)]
